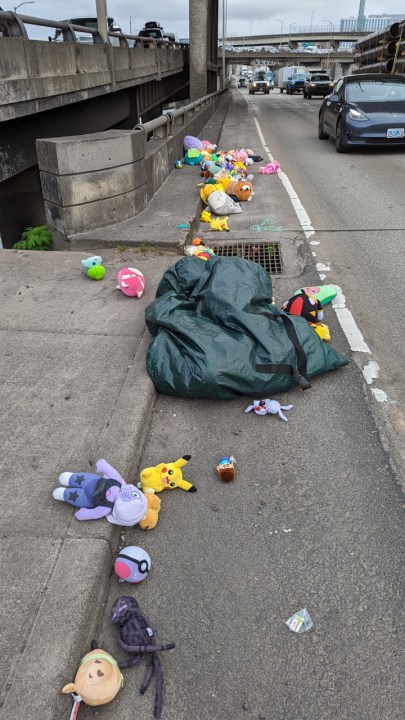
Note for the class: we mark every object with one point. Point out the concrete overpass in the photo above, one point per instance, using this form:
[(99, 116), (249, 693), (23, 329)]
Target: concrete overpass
[(282, 58), (333, 36), (57, 89)]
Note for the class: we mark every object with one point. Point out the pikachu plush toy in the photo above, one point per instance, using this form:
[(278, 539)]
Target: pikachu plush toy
[(165, 476)]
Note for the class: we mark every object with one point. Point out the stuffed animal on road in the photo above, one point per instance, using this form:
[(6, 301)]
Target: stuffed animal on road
[(193, 157), (205, 216), (270, 168), (269, 407), (136, 636), (198, 249), (206, 191), (132, 564), (221, 204), (226, 468), (165, 476), (131, 282), (304, 305), (209, 146), (311, 309), (240, 190), (97, 681), (220, 224), (105, 494), (190, 142), (94, 268)]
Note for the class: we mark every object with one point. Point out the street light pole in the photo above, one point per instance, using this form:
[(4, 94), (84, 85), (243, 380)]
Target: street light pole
[(327, 57), (312, 15), (223, 41), (30, 2), (101, 6), (280, 21)]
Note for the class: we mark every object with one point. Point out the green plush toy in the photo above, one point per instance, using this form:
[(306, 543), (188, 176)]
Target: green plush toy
[(323, 293), (96, 273)]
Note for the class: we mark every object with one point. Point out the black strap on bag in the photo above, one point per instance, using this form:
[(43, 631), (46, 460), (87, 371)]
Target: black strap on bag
[(300, 375)]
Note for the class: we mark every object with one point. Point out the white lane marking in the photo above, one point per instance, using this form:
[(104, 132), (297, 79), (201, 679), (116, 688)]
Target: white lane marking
[(379, 395), (371, 372), (352, 332), (296, 202), (322, 268)]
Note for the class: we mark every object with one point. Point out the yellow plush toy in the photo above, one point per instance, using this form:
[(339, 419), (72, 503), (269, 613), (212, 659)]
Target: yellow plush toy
[(165, 476), (152, 514), (205, 216), (206, 190), (220, 224)]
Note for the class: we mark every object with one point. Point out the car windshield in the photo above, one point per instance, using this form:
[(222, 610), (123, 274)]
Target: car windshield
[(374, 90), (298, 77), (317, 78)]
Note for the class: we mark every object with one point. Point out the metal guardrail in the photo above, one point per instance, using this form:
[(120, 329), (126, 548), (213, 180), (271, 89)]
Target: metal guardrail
[(13, 25), (163, 125)]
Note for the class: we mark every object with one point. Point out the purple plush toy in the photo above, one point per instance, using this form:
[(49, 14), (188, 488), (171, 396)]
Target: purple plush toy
[(190, 142), (102, 495)]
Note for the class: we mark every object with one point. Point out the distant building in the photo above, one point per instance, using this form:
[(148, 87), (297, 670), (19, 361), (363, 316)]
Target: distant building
[(372, 22)]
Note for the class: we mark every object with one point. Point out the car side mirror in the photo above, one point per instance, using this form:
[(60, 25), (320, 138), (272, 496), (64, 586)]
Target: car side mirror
[(290, 78), (334, 98)]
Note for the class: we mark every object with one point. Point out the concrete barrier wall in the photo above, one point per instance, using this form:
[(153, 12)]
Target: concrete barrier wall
[(37, 76), (90, 181)]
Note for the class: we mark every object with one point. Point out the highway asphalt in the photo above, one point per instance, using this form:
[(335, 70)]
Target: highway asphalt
[(312, 519)]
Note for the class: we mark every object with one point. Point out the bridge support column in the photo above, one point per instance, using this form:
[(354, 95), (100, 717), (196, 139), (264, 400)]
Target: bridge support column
[(198, 33)]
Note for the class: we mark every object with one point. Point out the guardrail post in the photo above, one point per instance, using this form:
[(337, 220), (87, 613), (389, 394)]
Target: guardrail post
[(15, 27)]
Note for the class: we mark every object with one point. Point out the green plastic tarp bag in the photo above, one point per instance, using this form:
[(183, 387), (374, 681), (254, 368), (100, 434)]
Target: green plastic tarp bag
[(217, 335)]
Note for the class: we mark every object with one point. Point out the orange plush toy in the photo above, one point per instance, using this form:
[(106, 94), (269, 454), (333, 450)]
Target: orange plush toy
[(240, 190), (97, 680)]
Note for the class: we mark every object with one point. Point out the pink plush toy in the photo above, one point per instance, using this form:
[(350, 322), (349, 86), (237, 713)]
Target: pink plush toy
[(131, 282), (270, 169), (207, 145), (241, 155)]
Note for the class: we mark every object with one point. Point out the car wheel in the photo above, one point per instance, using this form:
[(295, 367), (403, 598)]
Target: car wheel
[(340, 141), (321, 134), (304, 94), (281, 91), (309, 96)]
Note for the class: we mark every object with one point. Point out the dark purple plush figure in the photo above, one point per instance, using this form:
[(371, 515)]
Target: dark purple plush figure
[(136, 636)]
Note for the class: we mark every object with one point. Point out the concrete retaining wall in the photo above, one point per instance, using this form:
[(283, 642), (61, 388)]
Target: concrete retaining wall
[(90, 181), (36, 76)]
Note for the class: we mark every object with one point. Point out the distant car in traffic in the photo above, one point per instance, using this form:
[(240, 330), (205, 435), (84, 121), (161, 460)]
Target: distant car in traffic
[(242, 82), (87, 22), (364, 109), (317, 84), (154, 31), (259, 83), (295, 84)]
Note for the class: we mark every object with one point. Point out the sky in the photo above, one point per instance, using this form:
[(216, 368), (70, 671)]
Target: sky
[(243, 18)]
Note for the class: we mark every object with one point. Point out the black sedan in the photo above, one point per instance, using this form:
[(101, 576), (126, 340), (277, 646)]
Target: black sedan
[(364, 109)]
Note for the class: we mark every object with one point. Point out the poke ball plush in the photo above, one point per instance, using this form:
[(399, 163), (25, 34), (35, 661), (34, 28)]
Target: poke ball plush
[(132, 564), (131, 282), (178, 164)]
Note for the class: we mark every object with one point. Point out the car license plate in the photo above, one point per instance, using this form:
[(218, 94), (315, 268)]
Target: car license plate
[(396, 132)]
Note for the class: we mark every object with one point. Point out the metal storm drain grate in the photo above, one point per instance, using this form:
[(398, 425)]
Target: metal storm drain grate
[(266, 254)]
